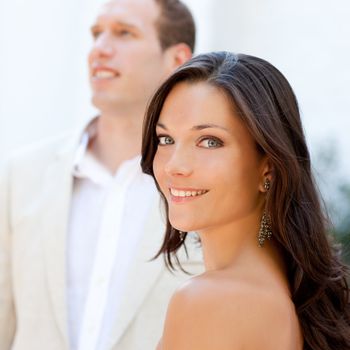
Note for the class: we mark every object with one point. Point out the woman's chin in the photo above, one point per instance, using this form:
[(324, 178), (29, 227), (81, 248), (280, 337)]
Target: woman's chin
[(180, 226), (185, 224), (184, 227)]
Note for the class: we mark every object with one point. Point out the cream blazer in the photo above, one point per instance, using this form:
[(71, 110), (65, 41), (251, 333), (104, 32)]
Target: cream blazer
[(35, 192)]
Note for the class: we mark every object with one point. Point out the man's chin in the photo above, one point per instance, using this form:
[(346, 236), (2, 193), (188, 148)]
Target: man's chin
[(104, 101)]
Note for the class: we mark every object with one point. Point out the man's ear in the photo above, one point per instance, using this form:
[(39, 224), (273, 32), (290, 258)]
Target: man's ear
[(267, 174), (177, 55)]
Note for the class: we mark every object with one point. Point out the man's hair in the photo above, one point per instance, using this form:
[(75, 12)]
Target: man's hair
[(175, 24)]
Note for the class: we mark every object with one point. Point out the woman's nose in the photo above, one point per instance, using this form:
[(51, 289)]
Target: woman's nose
[(180, 163)]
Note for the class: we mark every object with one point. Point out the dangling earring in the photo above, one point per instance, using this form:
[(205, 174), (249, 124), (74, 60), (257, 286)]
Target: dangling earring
[(265, 229), (267, 184), (182, 235), (265, 225)]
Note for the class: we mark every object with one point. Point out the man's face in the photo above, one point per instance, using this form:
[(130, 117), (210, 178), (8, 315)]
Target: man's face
[(126, 62)]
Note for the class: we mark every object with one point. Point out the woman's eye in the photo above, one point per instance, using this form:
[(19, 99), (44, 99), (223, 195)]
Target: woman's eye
[(165, 140), (210, 143)]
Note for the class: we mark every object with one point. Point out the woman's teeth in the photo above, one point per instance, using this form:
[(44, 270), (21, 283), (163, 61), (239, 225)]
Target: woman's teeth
[(179, 193)]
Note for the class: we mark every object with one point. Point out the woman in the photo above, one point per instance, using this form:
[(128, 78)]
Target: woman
[(224, 141)]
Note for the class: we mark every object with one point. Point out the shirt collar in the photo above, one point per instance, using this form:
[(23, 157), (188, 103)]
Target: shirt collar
[(86, 166), (88, 134)]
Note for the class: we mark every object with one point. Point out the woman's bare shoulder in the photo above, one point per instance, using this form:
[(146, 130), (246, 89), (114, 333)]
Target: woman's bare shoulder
[(212, 311)]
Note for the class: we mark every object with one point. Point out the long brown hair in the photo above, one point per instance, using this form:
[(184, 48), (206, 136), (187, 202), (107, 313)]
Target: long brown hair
[(267, 105)]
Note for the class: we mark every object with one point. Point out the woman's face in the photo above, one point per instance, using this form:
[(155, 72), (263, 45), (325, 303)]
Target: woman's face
[(206, 164)]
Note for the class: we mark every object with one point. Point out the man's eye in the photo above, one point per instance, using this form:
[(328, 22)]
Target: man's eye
[(123, 32), (165, 140), (95, 33), (210, 143)]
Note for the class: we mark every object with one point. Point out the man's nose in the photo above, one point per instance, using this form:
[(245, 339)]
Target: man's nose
[(103, 45), (180, 163)]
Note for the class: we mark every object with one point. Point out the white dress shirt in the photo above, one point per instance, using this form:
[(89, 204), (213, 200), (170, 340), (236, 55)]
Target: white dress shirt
[(107, 217)]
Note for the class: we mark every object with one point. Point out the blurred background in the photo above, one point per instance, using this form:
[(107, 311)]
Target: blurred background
[(44, 87)]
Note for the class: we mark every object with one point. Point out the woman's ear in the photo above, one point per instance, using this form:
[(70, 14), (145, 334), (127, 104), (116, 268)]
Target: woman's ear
[(267, 175)]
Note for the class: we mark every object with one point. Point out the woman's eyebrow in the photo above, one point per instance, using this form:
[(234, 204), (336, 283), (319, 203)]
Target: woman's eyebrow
[(162, 126), (208, 126), (198, 127)]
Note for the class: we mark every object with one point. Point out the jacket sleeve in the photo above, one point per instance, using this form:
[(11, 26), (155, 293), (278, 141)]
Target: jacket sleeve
[(7, 312)]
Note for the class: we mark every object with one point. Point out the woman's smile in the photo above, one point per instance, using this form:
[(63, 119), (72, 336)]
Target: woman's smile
[(183, 195)]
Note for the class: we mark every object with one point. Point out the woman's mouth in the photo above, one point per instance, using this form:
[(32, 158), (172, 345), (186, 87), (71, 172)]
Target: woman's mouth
[(180, 195)]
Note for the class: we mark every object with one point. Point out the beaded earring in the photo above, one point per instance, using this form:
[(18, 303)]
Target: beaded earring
[(265, 230), (265, 225)]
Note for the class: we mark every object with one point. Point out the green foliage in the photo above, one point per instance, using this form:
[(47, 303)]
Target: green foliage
[(335, 188), (342, 226)]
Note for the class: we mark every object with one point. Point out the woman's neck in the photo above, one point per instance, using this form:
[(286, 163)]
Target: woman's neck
[(235, 247)]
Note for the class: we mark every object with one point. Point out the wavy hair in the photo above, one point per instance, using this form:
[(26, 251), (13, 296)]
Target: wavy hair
[(268, 107)]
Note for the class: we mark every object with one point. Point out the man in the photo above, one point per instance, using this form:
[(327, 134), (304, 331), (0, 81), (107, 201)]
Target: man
[(79, 221)]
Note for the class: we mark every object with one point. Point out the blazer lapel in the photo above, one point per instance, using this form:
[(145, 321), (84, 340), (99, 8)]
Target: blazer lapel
[(58, 189), (142, 276)]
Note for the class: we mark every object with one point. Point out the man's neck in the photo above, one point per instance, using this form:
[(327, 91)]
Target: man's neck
[(118, 138)]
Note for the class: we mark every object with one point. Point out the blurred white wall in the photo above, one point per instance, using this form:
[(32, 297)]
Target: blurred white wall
[(42, 60), (44, 44)]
